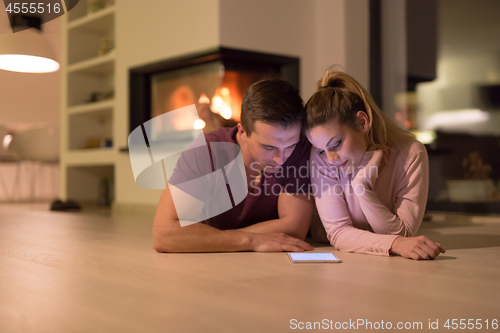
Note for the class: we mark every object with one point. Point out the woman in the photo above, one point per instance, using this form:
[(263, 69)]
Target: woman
[(369, 176)]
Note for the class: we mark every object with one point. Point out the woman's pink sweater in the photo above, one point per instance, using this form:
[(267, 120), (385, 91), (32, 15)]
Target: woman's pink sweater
[(365, 211)]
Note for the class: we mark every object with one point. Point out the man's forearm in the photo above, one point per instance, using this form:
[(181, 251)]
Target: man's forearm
[(279, 225), (295, 212), (200, 237)]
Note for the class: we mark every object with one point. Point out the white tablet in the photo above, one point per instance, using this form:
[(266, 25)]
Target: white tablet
[(312, 257)]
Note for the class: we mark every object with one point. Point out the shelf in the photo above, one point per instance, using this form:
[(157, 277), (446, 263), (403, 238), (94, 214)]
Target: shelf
[(90, 157), (91, 107), (88, 130), (99, 22), (87, 183), (103, 65), (84, 123)]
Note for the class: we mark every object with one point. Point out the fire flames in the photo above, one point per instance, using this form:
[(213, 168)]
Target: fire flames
[(221, 103)]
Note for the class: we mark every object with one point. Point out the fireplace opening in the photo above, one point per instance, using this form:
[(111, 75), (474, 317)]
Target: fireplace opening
[(214, 81)]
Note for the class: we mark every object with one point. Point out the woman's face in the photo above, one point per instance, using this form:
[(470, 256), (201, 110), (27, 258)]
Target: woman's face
[(339, 145)]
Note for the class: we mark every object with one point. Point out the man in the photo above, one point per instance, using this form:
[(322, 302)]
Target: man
[(273, 150)]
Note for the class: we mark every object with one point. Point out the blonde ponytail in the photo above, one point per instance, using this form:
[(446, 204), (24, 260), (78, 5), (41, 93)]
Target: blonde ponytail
[(339, 97)]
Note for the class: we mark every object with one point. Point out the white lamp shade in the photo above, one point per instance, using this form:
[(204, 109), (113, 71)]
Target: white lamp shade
[(26, 51)]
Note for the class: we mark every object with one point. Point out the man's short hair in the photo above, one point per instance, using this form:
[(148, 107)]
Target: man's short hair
[(272, 101)]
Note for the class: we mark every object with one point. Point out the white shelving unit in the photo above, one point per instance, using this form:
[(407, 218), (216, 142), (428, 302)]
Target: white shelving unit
[(88, 156), (103, 65), (90, 107)]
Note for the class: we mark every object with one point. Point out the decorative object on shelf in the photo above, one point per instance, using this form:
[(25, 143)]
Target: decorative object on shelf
[(477, 185), (106, 143), (475, 169), (105, 46), (98, 142), (95, 6), (101, 96)]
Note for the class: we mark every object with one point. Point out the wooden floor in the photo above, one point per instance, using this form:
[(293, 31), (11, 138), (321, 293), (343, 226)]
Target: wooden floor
[(71, 272)]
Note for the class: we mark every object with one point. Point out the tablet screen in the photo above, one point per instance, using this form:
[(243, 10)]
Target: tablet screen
[(313, 257)]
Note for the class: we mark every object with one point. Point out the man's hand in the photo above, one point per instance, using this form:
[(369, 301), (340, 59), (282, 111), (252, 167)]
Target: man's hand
[(419, 247), (278, 242), (169, 236)]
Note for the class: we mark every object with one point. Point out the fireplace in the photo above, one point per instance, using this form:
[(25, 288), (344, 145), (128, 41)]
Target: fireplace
[(214, 81)]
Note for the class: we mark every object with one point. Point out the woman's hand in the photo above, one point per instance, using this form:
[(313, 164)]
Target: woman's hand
[(417, 248), (368, 169)]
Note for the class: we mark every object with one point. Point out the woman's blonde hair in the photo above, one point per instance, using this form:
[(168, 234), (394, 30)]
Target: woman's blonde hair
[(339, 98)]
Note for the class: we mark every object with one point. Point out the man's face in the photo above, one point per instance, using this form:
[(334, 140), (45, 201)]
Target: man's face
[(269, 145)]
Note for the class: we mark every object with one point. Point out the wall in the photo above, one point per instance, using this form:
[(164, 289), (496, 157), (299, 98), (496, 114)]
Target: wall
[(468, 55), (357, 40), (317, 31), (320, 33), (421, 36), (280, 26)]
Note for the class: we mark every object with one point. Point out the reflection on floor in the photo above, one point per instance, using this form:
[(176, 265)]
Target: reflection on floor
[(459, 231), (87, 209)]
